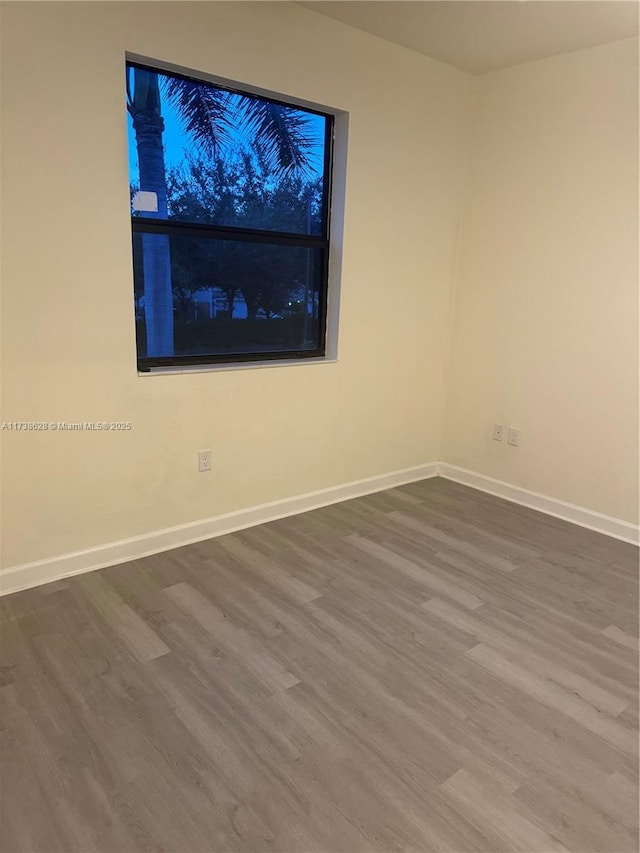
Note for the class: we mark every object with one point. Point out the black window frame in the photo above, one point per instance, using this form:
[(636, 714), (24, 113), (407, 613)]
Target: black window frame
[(169, 227)]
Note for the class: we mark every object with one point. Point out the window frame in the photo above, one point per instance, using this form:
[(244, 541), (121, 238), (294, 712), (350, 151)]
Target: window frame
[(173, 227)]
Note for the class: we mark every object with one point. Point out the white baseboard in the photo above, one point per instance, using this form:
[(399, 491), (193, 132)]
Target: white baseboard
[(606, 524), (28, 575)]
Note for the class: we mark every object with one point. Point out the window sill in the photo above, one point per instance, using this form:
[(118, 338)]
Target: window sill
[(244, 365)]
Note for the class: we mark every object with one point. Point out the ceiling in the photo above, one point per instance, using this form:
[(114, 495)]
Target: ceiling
[(484, 35)]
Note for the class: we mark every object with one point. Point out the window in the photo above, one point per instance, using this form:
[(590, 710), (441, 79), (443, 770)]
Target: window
[(230, 222)]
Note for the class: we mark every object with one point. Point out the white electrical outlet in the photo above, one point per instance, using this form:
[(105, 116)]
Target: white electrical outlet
[(204, 460), (513, 438), (498, 431)]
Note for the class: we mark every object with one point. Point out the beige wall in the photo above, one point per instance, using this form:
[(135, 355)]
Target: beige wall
[(68, 335), (544, 272), (546, 315)]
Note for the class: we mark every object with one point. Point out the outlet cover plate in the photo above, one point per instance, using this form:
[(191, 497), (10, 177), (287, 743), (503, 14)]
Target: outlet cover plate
[(204, 460)]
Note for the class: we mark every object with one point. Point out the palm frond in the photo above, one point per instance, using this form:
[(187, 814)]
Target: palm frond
[(203, 110), (282, 135)]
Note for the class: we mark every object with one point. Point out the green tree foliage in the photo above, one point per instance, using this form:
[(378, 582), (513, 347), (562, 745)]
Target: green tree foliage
[(241, 192)]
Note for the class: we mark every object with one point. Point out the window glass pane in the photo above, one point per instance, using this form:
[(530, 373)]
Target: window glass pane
[(226, 297), (201, 154)]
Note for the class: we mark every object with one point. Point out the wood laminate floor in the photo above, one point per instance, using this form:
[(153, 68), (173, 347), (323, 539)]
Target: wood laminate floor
[(424, 669)]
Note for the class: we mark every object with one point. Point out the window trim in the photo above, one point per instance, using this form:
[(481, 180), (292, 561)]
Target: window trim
[(141, 224)]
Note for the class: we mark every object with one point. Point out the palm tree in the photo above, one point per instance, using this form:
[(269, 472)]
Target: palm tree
[(279, 134)]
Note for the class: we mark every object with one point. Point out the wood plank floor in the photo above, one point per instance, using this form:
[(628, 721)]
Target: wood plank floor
[(425, 669)]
